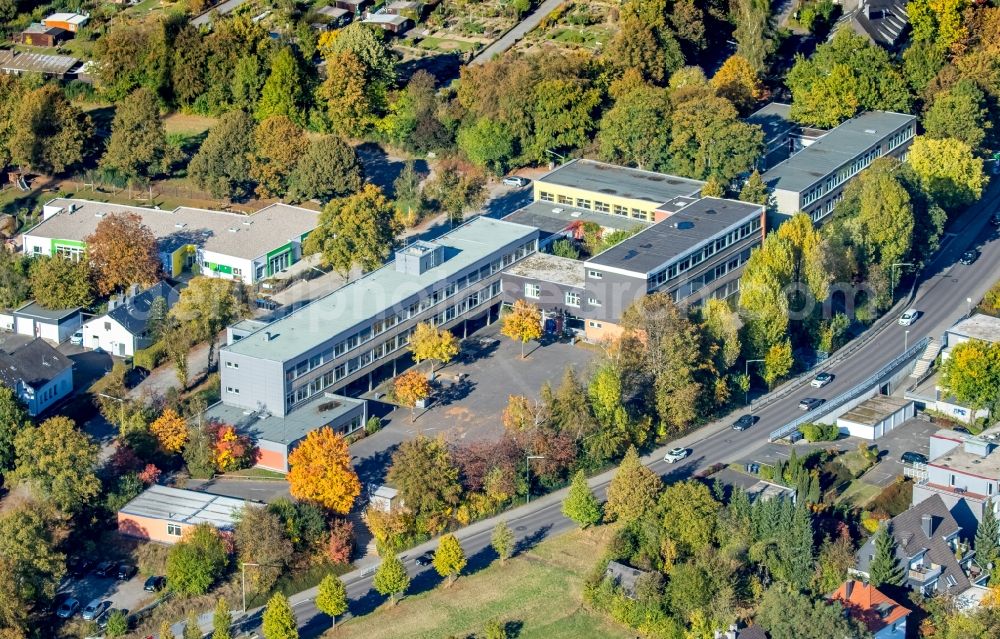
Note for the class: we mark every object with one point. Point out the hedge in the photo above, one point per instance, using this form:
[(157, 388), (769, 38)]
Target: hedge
[(150, 358), (819, 432)]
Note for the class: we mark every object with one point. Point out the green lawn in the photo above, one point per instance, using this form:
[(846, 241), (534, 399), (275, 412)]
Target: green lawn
[(442, 44), (858, 494), (540, 590)]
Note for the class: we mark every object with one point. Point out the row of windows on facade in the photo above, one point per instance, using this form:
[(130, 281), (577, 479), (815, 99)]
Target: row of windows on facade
[(689, 262), (401, 340), (594, 205), (847, 172), (381, 325), (47, 394)]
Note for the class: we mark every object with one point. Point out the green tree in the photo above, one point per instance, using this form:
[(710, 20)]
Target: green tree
[(391, 579), (191, 628), (959, 113), (626, 134), (138, 141), (59, 282), (261, 538), (708, 139), (331, 597), (938, 22), (456, 189), (59, 461), (283, 91), (30, 562), (689, 513), (833, 563), (987, 542), (347, 96), (502, 541), (755, 34), (187, 65), (222, 163), (279, 620), (885, 567), (15, 288), (369, 46), (413, 121), (13, 419), (222, 620), (196, 562), (355, 231), (778, 362), (948, 171), (754, 190), (633, 491), (423, 471), (580, 504), (494, 629), (279, 144), (722, 325), (52, 134), (123, 251), (789, 614), (206, 306), (644, 43), (562, 117), (117, 624), (130, 55), (328, 169), (972, 374), (921, 63), (487, 144), (449, 558), (409, 194)]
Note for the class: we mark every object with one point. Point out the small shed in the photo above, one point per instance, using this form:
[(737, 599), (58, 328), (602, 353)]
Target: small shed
[(53, 325), (392, 23), (875, 417), (71, 22), (408, 8), (385, 498), (333, 16), (40, 35), (354, 7), (625, 577)]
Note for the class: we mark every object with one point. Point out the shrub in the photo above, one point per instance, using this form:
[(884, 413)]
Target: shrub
[(894, 498), (819, 432), (373, 425), (991, 301), (150, 358)]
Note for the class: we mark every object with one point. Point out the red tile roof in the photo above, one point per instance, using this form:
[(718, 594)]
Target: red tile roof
[(868, 605)]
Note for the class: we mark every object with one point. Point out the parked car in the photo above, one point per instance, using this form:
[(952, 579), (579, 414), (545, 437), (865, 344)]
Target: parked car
[(969, 257), (126, 572), (93, 609), (79, 566), (995, 220), (155, 583), (68, 608), (910, 457), (909, 317), (962, 429), (821, 380), (809, 403), (515, 180), (76, 339), (105, 569), (675, 455), (743, 423), (425, 559)]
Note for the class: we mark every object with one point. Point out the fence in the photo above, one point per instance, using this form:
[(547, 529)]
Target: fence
[(848, 395)]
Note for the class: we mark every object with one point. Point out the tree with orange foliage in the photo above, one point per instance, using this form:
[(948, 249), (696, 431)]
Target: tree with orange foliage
[(170, 431), (411, 388), (737, 81), (230, 450), (123, 251), (321, 471)]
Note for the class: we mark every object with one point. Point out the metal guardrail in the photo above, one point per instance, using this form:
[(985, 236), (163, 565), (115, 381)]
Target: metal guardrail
[(848, 395)]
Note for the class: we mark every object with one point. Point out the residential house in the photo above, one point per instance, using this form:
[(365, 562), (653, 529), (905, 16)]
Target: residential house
[(124, 329), (249, 248), (930, 550), (355, 7), (40, 375), (813, 180), (163, 514), (332, 17), (882, 22), (964, 471), (883, 616), (53, 325)]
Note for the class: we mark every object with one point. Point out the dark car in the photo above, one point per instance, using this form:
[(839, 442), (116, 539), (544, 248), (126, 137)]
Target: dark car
[(962, 429), (105, 569), (910, 457), (80, 566), (743, 423), (809, 403), (126, 572), (154, 583), (969, 257), (425, 559)]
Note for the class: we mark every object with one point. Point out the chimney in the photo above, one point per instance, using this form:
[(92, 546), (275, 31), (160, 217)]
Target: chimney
[(267, 336), (848, 589), (927, 524)]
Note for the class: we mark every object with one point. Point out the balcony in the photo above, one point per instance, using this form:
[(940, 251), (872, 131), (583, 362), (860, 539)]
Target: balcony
[(916, 471), (924, 573)]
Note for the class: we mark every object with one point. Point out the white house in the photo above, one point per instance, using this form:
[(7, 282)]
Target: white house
[(124, 329), (38, 373), (56, 326)]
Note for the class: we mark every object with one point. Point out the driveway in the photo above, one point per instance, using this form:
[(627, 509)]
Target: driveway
[(911, 435)]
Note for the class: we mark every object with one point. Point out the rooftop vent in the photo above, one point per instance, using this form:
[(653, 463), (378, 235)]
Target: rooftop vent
[(99, 215), (180, 225), (684, 225), (233, 229), (575, 214), (247, 222), (871, 131), (557, 210)]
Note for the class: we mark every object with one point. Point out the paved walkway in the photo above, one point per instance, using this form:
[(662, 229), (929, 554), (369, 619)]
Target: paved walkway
[(520, 30)]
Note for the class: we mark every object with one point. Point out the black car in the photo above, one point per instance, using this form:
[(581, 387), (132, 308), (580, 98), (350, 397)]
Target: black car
[(809, 403), (743, 423), (962, 429), (80, 566), (910, 457), (125, 572), (105, 569), (969, 257), (154, 583), (425, 559)]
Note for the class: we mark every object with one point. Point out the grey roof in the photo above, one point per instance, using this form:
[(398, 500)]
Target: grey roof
[(982, 327), (752, 632), (839, 146), (39, 28), (185, 506), (774, 119), (550, 218), (232, 234), (549, 268), (377, 292), (620, 181), (333, 12), (872, 411), (678, 234), (881, 21), (35, 310), (911, 540), (386, 18), (326, 409), (134, 313), (625, 577), (33, 362), (12, 61)]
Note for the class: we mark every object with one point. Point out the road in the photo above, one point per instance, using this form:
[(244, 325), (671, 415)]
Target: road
[(941, 297), (522, 28)]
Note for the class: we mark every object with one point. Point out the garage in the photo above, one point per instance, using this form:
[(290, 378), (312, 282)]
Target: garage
[(875, 417)]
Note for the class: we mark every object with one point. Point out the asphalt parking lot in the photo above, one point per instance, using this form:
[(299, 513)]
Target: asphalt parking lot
[(911, 435), (128, 595)]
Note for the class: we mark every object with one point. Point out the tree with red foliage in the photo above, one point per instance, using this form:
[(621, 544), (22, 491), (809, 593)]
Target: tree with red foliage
[(475, 460), (341, 543), (230, 450), (149, 474)]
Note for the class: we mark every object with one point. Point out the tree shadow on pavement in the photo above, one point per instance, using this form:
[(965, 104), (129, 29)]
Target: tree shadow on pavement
[(680, 473), (372, 469), (532, 540)]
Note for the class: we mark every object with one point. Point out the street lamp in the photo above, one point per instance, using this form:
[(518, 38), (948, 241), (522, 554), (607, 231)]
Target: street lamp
[(527, 474), (968, 306), (121, 404), (553, 153), (906, 340), (746, 374), (892, 279)]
